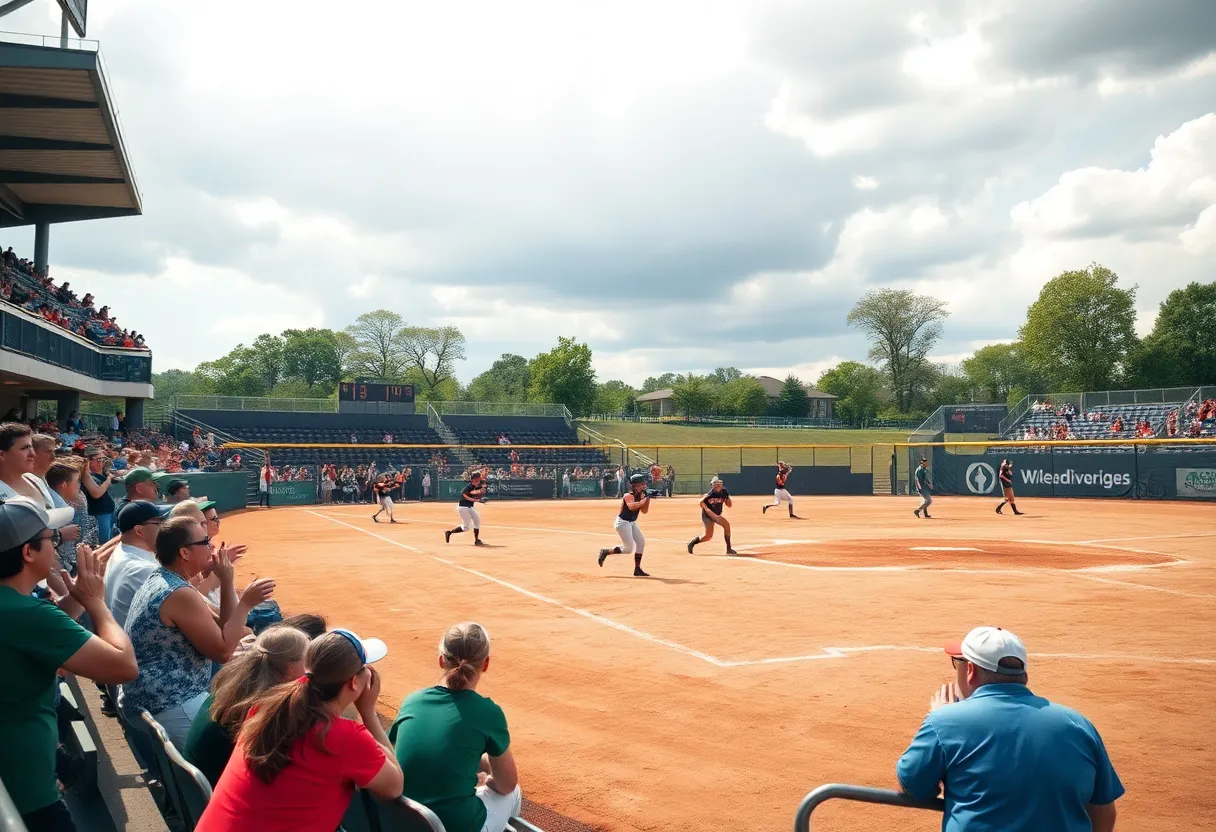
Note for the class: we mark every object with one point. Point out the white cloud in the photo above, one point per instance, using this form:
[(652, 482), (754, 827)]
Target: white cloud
[(865, 183)]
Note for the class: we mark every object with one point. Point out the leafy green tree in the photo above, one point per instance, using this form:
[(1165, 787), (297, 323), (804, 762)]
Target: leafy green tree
[(902, 327), (857, 389), (725, 375), (311, 356), (793, 401), (266, 358), (614, 397), (378, 352), (181, 383), (743, 396), (235, 374), (693, 395), (505, 381), (1181, 349), (997, 370), (663, 382), (432, 352), (564, 375), (1080, 330)]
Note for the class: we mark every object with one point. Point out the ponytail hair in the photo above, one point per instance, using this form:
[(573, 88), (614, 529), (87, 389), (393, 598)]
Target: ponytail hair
[(463, 649), (287, 713), (261, 667)]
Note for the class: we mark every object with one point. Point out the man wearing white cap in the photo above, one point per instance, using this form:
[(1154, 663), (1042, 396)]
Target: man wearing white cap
[(1008, 760), (36, 639)]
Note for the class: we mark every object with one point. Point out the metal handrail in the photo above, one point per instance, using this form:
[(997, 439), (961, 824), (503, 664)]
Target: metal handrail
[(862, 794)]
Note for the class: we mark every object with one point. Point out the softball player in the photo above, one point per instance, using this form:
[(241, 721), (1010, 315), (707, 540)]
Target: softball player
[(636, 501), (475, 491), (924, 487), (1006, 476), (712, 505), (383, 488), (780, 495)]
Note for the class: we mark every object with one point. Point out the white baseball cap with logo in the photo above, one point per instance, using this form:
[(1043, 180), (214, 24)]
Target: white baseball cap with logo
[(986, 647)]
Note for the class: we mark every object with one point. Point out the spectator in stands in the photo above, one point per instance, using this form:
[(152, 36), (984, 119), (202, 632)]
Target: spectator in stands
[(264, 479), (274, 657), (1008, 759), (445, 735), (134, 558), (175, 632), (96, 482), (16, 461), (36, 639), (1171, 423), (177, 491), (297, 760), (63, 478), (141, 485), (1117, 425)]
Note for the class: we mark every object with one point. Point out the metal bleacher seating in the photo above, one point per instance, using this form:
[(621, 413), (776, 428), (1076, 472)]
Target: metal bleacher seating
[(1083, 428), (500, 455)]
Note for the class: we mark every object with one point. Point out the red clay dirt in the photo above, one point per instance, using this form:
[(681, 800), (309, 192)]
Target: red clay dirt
[(718, 692)]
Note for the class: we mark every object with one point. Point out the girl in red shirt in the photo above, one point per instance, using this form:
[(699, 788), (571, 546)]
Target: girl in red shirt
[(297, 761)]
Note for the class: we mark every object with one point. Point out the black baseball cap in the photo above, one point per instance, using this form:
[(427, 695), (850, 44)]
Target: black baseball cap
[(173, 486), (138, 512)]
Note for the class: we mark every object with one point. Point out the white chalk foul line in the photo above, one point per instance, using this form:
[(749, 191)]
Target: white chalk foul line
[(847, 652), (1149, 537)]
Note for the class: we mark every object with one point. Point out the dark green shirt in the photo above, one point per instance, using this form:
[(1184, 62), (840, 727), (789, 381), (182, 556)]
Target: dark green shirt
[(922, 477), (36, 638), (439, 736), (208, 745)]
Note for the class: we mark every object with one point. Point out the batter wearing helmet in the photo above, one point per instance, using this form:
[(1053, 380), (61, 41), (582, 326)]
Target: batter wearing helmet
[(636, 501), (475, 491), (712, 505), (780, 494)]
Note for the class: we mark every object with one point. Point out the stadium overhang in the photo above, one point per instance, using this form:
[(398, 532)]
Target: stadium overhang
[(62, 156)]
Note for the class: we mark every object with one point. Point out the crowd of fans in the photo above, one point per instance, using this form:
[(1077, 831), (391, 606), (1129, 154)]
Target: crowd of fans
[(1194, 419), (279, 713), (34, 291)]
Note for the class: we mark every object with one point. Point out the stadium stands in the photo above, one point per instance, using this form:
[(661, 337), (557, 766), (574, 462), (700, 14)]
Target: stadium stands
[(1044, 420), (504, 432)]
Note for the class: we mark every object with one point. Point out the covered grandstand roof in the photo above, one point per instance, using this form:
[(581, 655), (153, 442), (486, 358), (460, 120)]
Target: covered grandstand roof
[(61, 151)]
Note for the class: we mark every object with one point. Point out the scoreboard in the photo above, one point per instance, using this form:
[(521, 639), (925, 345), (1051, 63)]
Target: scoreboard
[(353, 391)]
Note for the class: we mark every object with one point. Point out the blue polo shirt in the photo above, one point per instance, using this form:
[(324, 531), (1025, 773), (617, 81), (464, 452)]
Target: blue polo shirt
[(1011, 762)]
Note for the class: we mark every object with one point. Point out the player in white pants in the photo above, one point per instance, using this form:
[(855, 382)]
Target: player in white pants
[(382, 487), (636, 501), (780, 495), (474, 492)]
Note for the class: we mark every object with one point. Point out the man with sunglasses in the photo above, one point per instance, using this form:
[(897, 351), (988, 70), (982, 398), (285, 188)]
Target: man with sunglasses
[(36, 639), (134, 559), (1008, 760)]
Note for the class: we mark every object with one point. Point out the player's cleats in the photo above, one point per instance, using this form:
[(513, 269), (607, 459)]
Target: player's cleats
[(447, 536), (1018, 513), (795, 517), (998, 508), (731, 552), (692, 543), (765, 508), (917, 512), (638, 573), (479, 542), (603, 554), (374, 520)]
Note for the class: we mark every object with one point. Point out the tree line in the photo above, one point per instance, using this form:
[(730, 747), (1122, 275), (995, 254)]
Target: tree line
[(1078, 335)]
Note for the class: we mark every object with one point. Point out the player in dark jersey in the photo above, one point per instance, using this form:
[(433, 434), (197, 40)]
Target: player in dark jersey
[(780, 495), (1006, 476), (383, 488), (712, 505), (636, 501), (474, 492)]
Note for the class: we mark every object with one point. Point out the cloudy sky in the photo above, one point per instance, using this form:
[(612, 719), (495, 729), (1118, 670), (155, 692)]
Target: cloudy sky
[(684, 185)]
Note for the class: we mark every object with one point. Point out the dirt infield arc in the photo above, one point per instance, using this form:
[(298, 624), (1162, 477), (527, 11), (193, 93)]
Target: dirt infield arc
[(716, 693)]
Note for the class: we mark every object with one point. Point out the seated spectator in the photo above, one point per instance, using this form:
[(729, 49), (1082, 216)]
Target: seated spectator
[(63, 478), (134, 558), (16, 461), (36, 639), (96, 482), (274, 657), (175, 632), (1008, 759), (445, 735), (297, 760)]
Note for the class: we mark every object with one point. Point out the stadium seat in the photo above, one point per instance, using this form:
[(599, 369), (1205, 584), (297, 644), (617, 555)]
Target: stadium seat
[(192, 788), (175, 801), (368, 813)]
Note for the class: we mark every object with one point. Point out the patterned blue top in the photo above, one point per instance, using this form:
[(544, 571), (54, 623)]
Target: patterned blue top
[(171, 669)]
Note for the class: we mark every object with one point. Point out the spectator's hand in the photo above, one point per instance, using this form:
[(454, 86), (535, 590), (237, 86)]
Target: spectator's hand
[(70, 532), (258, 591), (366, 703), (236, 551), (221, 566), (89, 586), (947, 695)]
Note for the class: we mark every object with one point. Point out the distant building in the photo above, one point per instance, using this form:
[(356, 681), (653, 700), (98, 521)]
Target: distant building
[(659, 403)]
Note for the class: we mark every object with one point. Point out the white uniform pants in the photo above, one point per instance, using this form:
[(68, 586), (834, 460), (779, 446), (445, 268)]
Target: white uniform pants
[(386, 503), (780, 495), (469, 518), (500, 808), (632, 538)]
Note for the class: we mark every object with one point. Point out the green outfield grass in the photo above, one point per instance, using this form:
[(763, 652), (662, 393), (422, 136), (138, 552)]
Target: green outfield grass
[(654, 433)]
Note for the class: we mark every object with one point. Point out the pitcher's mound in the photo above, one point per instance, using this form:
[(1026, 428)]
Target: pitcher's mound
[(919, 553)]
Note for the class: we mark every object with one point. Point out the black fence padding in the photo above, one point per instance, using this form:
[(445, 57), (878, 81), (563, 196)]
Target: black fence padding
[(820, 480)]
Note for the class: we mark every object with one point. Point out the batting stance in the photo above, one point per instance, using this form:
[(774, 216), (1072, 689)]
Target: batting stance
[(924, 487), (636, 501), (1006, 476), (475, 491), (780, 495), (712, 505), (383, 490)]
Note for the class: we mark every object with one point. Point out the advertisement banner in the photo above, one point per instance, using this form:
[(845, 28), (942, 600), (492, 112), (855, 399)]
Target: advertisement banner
[(293, 493), (502, 489), (78, 14), (1036, 474), (1196, 483), (974, 418), (587, 488)]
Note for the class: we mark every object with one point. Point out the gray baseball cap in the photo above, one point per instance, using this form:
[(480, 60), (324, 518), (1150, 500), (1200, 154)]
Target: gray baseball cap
[(21, 519)]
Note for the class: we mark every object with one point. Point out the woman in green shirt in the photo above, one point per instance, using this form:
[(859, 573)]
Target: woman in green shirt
[(446, 735), (276, 656)]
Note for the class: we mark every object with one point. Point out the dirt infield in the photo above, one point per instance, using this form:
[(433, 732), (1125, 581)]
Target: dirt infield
[(718, 692)]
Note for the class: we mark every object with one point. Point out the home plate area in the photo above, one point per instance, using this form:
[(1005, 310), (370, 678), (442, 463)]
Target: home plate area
[(917, 553)]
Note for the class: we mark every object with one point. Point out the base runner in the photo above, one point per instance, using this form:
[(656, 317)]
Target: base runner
[(1006, 476), (474, 492), (636, 501), (780, 495), (712, 505)]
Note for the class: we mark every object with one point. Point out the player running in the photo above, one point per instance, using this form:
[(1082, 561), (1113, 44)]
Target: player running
[(383, 490), (712, 505), (924, 487), (636, 501), (474, 491), (1006, 476), (780, 495)]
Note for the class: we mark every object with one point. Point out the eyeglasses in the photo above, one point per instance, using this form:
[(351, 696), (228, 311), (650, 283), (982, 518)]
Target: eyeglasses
[(957, 662), (206, 541)]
